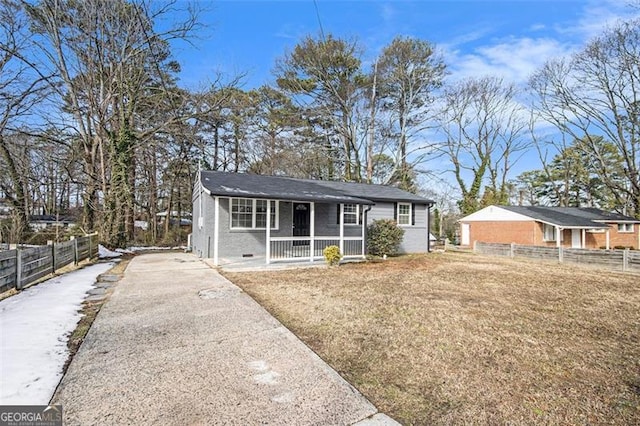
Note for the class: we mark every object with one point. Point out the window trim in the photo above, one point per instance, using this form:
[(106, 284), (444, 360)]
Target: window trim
[(254, 212), (408, 215), (554, 232), (628, 228), (355, 213)]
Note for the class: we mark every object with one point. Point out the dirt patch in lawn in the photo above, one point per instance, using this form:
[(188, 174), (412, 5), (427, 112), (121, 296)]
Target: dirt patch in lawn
[(461, 339)]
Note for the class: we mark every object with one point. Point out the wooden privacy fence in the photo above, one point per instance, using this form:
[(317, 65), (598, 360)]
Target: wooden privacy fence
[(21, 267), (620, 260)]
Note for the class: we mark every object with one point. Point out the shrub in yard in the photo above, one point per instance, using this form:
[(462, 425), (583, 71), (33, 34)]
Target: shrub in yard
[(332, 255), (384, 237)]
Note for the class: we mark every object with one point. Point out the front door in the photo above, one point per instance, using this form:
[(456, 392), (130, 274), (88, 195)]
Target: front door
[(301, 222), (465, 237), (576, 240)]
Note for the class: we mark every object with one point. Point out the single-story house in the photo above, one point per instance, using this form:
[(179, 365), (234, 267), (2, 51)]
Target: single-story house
[(571, 227), (231, 212), (43, 221)]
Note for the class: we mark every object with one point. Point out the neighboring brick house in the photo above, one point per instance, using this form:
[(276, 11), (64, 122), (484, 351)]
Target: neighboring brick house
[(231, 212), (572, 227)]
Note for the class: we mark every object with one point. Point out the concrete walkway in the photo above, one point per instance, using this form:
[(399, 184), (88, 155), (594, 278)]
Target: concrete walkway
[(179, 344)]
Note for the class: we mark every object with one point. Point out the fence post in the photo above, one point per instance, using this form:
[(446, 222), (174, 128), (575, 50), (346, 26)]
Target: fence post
[(560, 254), (89, 255), (18, 268), (512, 252), (53, 256), (75, 249), (625, 260)]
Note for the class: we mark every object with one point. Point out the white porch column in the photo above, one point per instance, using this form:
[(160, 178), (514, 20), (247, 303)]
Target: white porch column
[(268, 234), (363, 232), (608, 240), (342, 228), (558, 236), (312, 231), (216, 230), (584, 238)]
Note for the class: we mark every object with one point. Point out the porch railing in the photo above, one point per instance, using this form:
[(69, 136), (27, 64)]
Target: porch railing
[(300, 248)]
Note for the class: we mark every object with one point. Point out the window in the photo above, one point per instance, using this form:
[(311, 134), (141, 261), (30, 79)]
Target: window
[(404, 214), (625, 227), (261, 214), (252, 214), (548, 232), (351, 215)]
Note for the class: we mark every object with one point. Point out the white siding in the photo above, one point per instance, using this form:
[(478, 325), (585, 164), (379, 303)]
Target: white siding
[(495, 214)]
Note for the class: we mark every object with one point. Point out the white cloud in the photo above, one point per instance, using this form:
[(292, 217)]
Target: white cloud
[(513, 59), (597, 15)]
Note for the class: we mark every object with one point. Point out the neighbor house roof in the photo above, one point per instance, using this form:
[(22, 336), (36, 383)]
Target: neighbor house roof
[(285, 188), (570, 217)]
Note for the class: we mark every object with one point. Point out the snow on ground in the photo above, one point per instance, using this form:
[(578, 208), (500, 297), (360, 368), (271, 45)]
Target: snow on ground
[(105, 253), (35, 325), (134, 249)]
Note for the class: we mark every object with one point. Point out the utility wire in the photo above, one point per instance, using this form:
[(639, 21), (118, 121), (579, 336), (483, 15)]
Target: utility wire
[(315, 3)]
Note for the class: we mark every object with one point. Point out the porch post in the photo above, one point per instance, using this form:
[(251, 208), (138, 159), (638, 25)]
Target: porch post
[(608, 240), (363, 232), (268, 234), (558, 236), (342, 228), (216, 230), (584, 238), (312, 231)]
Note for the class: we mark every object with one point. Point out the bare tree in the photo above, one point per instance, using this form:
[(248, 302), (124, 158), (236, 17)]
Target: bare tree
[(109, 65), (595, 94), (483, 125), (20, 90)]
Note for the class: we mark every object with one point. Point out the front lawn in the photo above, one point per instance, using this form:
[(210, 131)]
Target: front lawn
[(461, 339)]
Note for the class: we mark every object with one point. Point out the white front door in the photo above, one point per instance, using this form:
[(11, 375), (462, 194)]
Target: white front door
[(576, 240), (464, 238)]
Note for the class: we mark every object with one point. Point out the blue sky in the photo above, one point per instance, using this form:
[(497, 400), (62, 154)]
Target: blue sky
[(510, 38)]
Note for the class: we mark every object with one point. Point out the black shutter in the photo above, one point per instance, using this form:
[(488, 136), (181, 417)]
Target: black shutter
[(395, 212), (337, 214), (413, 213)]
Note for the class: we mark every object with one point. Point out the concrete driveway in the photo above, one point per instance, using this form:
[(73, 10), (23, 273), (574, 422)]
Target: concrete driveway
[(179, 344)]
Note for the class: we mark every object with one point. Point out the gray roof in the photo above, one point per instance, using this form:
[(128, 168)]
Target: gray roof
[(285, 188), (571, 217)]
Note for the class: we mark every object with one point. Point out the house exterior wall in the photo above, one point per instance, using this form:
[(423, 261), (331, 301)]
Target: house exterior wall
[(236, 243), (518, 232), (616, 239), (415, 236), (531, 233)]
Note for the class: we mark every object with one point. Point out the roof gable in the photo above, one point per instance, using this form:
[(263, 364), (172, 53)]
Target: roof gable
[(284, 188), (496, 214), (565, 217)]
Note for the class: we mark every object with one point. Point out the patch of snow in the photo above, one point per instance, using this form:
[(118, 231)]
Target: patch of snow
[(35, 325), (105, 253), (134, 249)]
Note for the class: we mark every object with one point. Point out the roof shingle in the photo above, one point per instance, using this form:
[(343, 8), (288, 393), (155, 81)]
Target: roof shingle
[(285, 188)]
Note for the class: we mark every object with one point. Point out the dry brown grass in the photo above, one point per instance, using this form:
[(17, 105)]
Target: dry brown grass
[(460, 339)]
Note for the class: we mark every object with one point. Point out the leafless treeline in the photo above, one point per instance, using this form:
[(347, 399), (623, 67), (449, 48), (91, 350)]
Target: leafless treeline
[(93, 121)]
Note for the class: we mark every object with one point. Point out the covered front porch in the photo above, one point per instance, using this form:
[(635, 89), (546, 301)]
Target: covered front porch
[(299, 231), (578, 236), (305, 243)]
